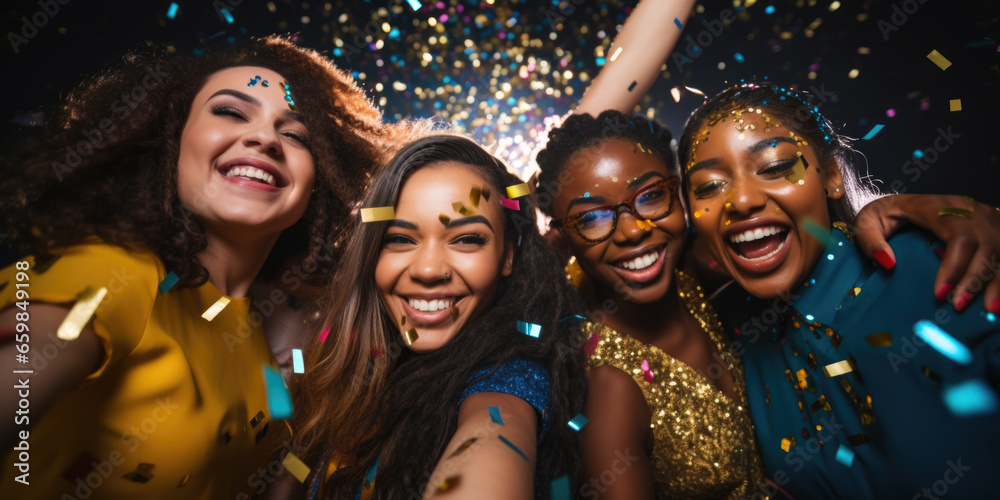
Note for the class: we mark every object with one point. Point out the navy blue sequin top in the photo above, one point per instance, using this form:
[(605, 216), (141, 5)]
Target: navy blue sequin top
[(523, 378)]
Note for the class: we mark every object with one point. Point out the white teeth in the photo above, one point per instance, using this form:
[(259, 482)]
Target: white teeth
[(252, 173), (430, 305), (641, 262), (755, 234)]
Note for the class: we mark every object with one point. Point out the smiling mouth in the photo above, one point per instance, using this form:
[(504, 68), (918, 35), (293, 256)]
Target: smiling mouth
[(641, 262), (434, 305), (252, 173), (758, 244)]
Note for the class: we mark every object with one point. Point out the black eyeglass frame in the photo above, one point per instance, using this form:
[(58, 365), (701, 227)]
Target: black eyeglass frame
[(669, 185)]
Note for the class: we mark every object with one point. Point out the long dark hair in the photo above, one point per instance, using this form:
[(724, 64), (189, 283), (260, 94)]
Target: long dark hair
[(105, 164), (365, 395), (796, 112)]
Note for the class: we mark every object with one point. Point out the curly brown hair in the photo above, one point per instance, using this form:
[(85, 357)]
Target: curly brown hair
[(104, 165)]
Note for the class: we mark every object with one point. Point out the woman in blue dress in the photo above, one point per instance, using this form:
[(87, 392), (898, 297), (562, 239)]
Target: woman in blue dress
[(450, 361), (861, 383)]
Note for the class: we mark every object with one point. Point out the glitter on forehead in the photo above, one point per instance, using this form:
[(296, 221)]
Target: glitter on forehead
[(742, 126)]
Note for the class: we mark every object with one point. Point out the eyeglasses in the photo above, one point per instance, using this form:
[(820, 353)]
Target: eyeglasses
[(598, 224)]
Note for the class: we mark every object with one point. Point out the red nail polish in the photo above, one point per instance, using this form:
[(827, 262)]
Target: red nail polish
[(995, 306), (883, 258), (944, 291), (963, 301)]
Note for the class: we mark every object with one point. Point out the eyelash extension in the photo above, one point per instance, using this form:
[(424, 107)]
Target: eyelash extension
[(472, 238), (780, 167), (228, 111)]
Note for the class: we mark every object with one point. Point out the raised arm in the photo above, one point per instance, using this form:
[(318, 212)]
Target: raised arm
[(478, 463), (646, 40)]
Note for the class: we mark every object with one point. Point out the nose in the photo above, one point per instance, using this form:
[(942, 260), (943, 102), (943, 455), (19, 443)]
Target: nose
[(627, 228), (429, 264), (744, 197), (263, 137)]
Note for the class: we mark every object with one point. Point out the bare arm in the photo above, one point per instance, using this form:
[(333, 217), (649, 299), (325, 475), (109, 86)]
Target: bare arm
[(74, 360), (616, 438), (487, 467), (646, 39)]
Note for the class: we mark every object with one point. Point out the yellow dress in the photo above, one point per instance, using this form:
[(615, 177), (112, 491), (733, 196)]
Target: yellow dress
[(177, 408), (703, 442)]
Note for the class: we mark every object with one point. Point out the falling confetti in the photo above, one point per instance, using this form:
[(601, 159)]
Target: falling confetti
[(377, 214)]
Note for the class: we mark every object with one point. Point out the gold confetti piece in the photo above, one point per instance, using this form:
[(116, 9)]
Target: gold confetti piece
[(939, 59), (296, 467), (448, 483), (955, 104), (820, 403), (184, 480), (650, 223), (854, 291), (487, 192), (961, 212), (802, 375), (377, 214), (518, 190), (454, 313), (857, 439), (616, 54), (86, 304), (410, 336), (216, 308), (880, 339), (811, 361), (464, 446), (787, 443), (798, 171), (444, 219), (402, 320), (474, 195), (460, 208), (931, 375), (839, 368)]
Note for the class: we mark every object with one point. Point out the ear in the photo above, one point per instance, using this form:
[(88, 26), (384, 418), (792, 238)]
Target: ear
[(508, 259), (833, 182)]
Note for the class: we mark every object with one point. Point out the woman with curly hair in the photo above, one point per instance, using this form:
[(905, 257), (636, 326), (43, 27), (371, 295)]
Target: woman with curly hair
[(449, 359), (153, 198)]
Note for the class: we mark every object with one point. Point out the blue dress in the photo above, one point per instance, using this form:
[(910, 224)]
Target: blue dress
[(849, 401), (526, 379)]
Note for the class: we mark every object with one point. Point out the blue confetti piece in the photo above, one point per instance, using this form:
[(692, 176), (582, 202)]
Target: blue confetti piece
[(228, 15), (971, 398), (587, 194), (630, 87), (739, 57), (600, 61), (515, 448), (871, 133), (370, 476), (918, 153), (279, 401), (297, 365), (817, 231), (810, 317), (414, 4), (680, 26), (944, 343), (991, 317), (577, 316), (829, 256), (559, 488), (495, 415), (845, 456), (578, 422), (172, 11), (168, 282), (769, 10), (529, 329)]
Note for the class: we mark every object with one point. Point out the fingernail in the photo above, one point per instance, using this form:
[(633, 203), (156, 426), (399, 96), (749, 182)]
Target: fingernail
[(963, 301), (883, 258), (943, 291), (995, 306)]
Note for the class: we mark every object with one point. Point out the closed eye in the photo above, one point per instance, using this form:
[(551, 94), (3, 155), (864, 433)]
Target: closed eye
[(228, 111), (708, 189), (296, 136), (778, 168)]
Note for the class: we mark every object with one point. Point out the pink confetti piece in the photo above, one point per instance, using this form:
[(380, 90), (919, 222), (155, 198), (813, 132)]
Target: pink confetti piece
[(646, 373), (511, 204), (323, 334), (592, 344)]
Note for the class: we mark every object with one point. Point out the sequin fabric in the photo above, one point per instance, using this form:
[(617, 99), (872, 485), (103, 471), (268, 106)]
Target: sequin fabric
[(523, 378), (703, 442)]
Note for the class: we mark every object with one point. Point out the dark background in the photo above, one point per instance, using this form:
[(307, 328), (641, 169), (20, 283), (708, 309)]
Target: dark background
[(798, 43)]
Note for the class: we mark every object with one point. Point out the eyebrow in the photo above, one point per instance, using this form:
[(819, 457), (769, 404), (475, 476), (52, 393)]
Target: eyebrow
[(643, 178), (769, 142), (243, 96), (585, 199), (473, 219)]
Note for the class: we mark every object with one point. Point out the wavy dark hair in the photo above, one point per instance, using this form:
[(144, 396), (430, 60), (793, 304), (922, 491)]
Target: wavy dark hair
[(794, 110), (583, 131), (364, 406), (105, 164)]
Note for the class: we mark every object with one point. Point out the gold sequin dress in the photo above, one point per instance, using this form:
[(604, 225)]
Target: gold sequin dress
[(703, 442)]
